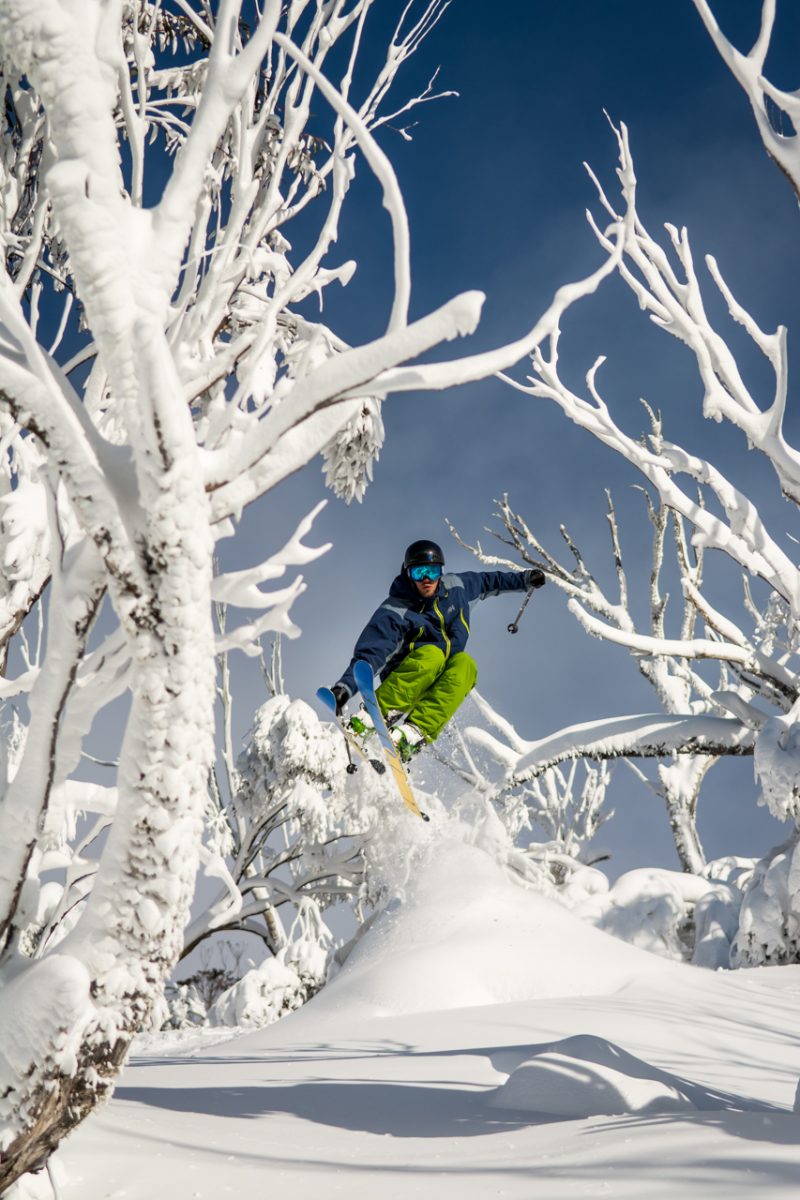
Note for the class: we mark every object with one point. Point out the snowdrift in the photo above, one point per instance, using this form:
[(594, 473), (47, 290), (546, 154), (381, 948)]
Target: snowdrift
[(466, 934)]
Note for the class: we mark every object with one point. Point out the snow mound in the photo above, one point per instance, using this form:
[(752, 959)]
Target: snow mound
[(587, 1076), (466, 934)]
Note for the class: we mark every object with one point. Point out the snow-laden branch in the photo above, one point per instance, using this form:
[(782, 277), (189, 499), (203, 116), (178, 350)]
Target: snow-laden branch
[(743, 536), (75, 598), (228, 76), (436, 376), (645, 736), (384, 173), (694, 648), (242, 470), (748, 71), (240, 588)]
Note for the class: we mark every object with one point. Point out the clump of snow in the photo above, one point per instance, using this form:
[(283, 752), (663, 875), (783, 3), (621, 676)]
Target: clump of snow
[(776, 762), (649, 908), (24, 545), (349, 457), (587, 1076)]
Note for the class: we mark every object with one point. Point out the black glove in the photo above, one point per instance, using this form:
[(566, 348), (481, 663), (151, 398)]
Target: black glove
[(341, 696), (534, 578)]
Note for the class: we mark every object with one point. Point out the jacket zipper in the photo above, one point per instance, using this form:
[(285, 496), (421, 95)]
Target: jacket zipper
[(438, 612)]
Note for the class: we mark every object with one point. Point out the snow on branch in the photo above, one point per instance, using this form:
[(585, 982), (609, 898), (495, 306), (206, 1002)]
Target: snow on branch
[(384, 173), (695, 648), (670, 665), (241, 588), (646, 736), (435, 376), (777, 112)]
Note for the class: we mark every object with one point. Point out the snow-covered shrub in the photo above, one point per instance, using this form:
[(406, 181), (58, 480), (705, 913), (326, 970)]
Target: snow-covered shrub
[(769, 923), (675, 914), (652, 909), (299, 835), (290, 838), (188, 1000), (278, 986)]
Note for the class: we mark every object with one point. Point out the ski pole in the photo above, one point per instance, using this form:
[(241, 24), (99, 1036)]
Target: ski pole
[(514, 626), (351, 767)]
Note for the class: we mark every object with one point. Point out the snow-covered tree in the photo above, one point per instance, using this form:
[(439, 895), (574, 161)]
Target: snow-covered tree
[(157, 376), (757, 708), (679, 688)]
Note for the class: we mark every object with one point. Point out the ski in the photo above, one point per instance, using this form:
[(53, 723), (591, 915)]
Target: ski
[(326, 697), (365, 681)]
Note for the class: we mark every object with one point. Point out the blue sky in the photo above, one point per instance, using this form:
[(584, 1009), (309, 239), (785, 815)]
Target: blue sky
[(496, 193)]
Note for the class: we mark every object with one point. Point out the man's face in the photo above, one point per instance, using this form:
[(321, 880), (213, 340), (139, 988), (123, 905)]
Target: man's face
[(425, 579), (426, 587)]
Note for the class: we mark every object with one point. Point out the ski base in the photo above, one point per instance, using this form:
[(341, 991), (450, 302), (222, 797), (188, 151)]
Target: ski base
[(365, 681)]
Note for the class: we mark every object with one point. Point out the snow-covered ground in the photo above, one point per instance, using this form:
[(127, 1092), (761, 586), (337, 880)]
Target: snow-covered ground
[(480, 1041)]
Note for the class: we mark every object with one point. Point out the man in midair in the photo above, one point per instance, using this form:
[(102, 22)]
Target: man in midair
[(415, 641)]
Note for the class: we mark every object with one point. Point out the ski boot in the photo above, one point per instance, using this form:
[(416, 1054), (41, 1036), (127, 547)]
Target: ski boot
[(408, 740), (361, 724)]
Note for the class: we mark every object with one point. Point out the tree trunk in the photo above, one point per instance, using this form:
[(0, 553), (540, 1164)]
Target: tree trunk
[(680, 784), (70, 1037)]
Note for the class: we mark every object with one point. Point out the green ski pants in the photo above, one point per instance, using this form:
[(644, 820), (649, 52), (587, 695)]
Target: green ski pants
[(429, 687)]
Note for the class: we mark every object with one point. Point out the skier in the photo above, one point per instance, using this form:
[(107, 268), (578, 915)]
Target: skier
[(415, 641)]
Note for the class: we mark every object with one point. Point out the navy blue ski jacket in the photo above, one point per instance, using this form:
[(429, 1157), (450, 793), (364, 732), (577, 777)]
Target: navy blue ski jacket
[(406, 619)]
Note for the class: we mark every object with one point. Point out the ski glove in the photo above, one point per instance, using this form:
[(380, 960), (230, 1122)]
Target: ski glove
[(534, 578), (341, 696)]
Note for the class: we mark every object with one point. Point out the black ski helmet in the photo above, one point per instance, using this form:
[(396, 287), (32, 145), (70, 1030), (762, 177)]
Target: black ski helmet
[(423, 552)]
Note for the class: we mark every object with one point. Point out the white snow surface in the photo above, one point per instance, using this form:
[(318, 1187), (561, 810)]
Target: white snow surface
[(480, 1041)]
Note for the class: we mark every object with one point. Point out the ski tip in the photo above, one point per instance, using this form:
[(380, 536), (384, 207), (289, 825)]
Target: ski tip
[(363, 672)]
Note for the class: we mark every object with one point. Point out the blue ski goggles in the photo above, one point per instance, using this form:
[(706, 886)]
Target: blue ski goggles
[(425, 571)]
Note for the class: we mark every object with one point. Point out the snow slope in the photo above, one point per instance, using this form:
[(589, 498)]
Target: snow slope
[(479, 1042)]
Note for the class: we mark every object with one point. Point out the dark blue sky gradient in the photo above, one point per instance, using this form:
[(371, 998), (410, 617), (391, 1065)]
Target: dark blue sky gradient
[(496, 193)]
